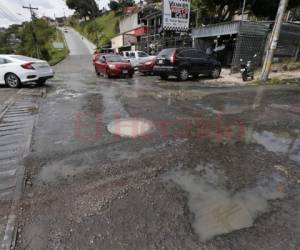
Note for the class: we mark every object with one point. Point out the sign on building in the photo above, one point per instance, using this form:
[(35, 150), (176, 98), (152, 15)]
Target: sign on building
[(176, 15)]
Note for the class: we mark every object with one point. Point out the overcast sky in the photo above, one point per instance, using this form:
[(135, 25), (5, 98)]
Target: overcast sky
[(11, 11)]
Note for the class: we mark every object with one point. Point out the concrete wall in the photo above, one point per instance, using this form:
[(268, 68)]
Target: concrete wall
[(117, 42), (129, 23)]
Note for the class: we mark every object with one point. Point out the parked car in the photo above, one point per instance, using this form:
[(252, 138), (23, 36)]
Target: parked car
[(98, 52), (111, 65), (137, 57), (147, 67), (183, 62), (95, 56), (16, 70)]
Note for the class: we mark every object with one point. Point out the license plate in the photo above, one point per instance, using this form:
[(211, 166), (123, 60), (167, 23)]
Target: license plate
[(125, 71), (243, 70), (160, 61)]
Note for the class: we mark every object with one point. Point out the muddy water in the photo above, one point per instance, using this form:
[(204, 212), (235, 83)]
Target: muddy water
[(113, 108), (218, 211), (279, 143)]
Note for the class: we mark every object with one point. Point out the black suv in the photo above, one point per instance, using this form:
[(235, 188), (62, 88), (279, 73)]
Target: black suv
[(182, 62)]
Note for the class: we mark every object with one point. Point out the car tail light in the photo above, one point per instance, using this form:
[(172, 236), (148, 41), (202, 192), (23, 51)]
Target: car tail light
[(173, 57), (27, 66)]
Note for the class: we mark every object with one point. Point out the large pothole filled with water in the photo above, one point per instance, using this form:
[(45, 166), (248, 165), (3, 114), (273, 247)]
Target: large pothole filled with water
[(130, 128)]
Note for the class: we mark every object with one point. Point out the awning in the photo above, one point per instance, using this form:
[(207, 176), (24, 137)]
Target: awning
[(218, 29)]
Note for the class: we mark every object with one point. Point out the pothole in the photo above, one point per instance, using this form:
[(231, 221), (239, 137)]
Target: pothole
[(130, 128)]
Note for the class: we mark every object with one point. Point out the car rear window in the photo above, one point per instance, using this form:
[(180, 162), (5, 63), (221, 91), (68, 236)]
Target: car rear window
[(114, 58), (166, 53)]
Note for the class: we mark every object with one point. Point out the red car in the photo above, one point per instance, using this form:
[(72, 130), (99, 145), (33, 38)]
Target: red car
[(111, 65), (98, 52), (147, 67), (95, 56)]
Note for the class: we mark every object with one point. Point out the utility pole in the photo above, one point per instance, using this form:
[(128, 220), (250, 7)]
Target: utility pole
[(243, 10), (31, 9), (274, 40)]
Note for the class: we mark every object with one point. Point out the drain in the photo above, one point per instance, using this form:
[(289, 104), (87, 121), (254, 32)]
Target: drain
[(130, 128)]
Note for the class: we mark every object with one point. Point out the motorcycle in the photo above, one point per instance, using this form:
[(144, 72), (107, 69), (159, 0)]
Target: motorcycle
[(247, 70)]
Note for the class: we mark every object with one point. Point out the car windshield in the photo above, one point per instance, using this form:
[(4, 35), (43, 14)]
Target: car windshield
[(114, 58)]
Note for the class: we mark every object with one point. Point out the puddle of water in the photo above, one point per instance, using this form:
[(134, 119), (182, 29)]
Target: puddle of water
[(229, 108), (216, 211), (68, 94), (130, 128), (279, 144), (112, 106)]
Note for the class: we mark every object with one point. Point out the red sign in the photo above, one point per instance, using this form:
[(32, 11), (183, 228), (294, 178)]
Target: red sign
[(140, 31)]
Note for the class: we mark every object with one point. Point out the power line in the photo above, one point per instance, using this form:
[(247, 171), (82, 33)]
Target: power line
[(7, 16), (10, 14)]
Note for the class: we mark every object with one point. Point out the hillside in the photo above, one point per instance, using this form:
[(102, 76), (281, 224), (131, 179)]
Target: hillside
[(107, 26)]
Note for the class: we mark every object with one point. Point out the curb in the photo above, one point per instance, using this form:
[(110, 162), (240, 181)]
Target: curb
[(7, 103), (10, 234), (67, 47)]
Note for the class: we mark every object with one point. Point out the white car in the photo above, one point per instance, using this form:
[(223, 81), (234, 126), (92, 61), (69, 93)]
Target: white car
[(16, 70), (137, 58)]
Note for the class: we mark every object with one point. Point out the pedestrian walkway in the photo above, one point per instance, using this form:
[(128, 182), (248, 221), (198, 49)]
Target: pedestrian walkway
[(16, 127)]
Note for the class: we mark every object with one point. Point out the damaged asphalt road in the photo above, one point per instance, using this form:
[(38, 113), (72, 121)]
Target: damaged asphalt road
[(219, 170)]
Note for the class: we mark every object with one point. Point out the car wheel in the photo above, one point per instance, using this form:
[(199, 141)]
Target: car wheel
[(183, 74), (216, 73), (195, 76), (12, 80), (245, 77), (41, 82), (97, 73), (163, 77)]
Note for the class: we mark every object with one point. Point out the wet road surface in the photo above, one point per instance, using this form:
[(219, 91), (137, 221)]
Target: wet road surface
[(220, 169)]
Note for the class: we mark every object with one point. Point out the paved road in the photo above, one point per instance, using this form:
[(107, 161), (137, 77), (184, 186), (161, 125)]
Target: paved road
[(220, 169)]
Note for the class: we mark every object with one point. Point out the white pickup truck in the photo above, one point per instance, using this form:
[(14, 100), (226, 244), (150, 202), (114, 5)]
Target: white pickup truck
[(137, 57)]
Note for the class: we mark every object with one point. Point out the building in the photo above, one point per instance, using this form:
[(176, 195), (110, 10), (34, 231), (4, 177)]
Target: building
[(157, 38), (242, 40), (131, 29), (60, 21), (123, 42)]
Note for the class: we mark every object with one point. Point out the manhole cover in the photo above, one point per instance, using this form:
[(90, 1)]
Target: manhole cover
[(130, 127)]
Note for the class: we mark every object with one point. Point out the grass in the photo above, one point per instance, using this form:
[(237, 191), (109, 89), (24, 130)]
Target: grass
[(57, 55), (105, 25), (279, 81), (287, 65)]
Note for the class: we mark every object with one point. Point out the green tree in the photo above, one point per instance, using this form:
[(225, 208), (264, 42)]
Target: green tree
[(268, 9), (84, 8), (215, 11), (114, 5), (44, 34)]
